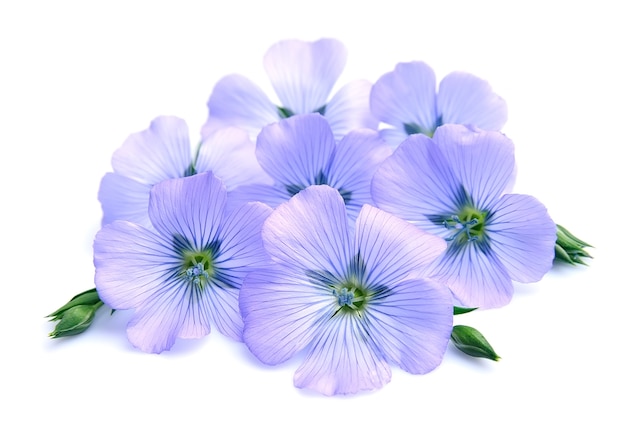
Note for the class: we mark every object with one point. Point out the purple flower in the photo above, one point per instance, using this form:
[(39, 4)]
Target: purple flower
[(301, 151), (456, 185), (162, 152), (184, 274), (407, 100), (355, 301), (303, 75)]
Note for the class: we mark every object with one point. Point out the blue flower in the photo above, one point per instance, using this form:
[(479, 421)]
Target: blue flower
[(407, 100), (303, 75), (457, 185), (301, 151), (355, 300), (182, 275), (162, 152)]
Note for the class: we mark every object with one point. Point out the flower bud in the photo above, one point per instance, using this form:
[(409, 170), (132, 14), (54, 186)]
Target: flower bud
[(76, 315), (472, 342), (569, 248)]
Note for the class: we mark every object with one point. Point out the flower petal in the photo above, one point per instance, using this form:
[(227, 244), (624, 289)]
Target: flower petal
[(296, 150), (281, 313), (237, 101), (356, 158), (413, 323), (349, 109), (466, 99), (310, 232), (304, 73), (158, 153), (392, 248), (175, 208), (483, 161), (416, 182), (343, 359), (230, 155), (406, 95), (267, 194), (523, 236), (132, 263), (123, 198), (475, 276)]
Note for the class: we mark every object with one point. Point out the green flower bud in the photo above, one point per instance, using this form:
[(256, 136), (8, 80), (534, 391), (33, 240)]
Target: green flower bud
[(458, 310), (569, 248), (75, 320), (472, 342), (76, 315)]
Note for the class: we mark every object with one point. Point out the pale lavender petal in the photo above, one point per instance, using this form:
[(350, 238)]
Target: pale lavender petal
[(296, 150), (417, 182), (343, 359), (475, 275), (158, 153), (466, 99), (349, 109), (230, 154), (523, 236), (282, 312), (484, 161), (191, 208), (392, 248), (237, 101), (413, 324), (123, 198), (176, 311), (406, 96), (304, 73), (356, 158), (124, 249), (393, 136), (268, 194), (310, 232)]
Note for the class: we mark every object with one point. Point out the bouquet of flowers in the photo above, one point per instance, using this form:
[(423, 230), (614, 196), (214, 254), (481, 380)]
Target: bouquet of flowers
[(351, 226)]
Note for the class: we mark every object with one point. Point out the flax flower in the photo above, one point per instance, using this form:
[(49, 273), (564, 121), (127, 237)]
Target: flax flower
[(355, 301)]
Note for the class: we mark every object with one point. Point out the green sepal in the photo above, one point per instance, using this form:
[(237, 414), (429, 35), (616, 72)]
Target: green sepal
[(569, 248), (89, 297), (459, 310), (472, 342), (75, 320)]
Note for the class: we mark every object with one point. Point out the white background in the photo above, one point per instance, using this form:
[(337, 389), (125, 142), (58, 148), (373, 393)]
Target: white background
[(76, 78)]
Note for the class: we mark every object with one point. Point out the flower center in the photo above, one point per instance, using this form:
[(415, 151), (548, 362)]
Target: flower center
[(198, 268), (467, 225), (350, 297)]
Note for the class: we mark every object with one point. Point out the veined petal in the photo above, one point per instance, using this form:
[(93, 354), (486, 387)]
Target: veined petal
[(158, 153), (304, 73), (413, 324), (349, 109), (356, 158), (237, 101), (392, 248), (230, 155), (310, 232), (393, 136), (132, 264), (123, 198), (267, 194), (417, 182), (175, 311), (190, 207), (466, 99), (343, 359), (406, 96), (222, 305), (483, 161), (523, 236), (282, 312), (475, 275), (296, 150)]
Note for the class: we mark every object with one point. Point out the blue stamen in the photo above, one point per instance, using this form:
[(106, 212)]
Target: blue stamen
[(461, 228), (344, 297)]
